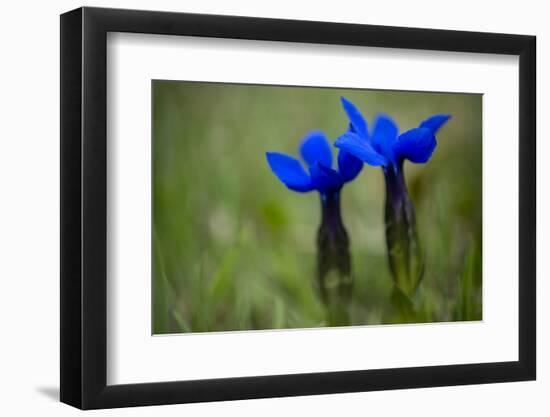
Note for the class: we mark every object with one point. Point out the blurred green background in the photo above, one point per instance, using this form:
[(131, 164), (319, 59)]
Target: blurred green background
[(234, 249)]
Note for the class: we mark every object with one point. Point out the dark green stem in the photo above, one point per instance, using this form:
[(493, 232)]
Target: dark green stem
[(333, 261), (404, 251), (403, 309)]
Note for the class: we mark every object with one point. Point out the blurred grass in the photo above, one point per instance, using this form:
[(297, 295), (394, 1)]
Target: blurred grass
[(234, 249)]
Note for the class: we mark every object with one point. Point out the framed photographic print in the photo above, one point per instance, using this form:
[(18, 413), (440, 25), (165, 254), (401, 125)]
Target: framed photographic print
[(257, 208)]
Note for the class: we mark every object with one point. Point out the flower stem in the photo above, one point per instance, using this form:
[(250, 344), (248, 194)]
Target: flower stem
[(405, 254), (333, 261), (403, 309)]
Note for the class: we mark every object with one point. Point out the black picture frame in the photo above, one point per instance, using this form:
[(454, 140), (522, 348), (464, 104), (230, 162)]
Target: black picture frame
[(84, 207)]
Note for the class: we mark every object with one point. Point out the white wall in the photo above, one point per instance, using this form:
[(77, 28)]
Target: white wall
[(29, 176)]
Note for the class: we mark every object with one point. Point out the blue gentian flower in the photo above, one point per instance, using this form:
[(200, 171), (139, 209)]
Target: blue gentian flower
[(333, 258), (316, 152), (385, 147)]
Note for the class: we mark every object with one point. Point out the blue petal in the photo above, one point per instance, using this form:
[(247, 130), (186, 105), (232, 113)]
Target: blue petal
[(352, 143), (289, 171), (435, 122), (416, 144), (315, 148), (384, 136), (357, 120), (324, 178), (348, 165)]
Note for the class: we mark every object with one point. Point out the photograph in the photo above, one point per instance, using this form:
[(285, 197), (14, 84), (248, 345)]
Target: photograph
[(285, 207)]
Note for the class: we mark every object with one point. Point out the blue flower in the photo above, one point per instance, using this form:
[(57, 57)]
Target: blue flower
[(317, 154), (384, 146), (334, 276)]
